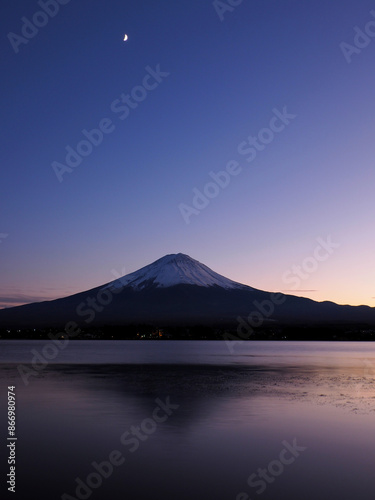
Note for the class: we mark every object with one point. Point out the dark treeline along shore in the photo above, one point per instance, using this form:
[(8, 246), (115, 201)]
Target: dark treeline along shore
[(329, 332)]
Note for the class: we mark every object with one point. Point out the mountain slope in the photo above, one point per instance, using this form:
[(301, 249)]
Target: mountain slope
[(171, 270), (178, 290)]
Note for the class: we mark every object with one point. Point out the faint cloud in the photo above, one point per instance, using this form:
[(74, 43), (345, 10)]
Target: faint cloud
[(19, 300), (14, 297), (362, 38)]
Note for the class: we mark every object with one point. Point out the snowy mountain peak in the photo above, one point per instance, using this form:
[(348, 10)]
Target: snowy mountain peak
[(171, 270)]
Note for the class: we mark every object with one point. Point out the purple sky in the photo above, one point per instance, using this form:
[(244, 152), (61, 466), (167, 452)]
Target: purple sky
[(262, 91)]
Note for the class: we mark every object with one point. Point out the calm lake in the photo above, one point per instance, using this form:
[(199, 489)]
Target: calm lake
[(191, 420)]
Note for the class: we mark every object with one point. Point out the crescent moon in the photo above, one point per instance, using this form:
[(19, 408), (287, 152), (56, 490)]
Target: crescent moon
[(125, 38)]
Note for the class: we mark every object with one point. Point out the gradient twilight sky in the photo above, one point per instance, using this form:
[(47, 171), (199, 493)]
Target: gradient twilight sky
[(119, 209)]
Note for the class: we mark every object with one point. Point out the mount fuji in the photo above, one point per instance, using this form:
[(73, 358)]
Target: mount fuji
[(178, 290), (172, 270)]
